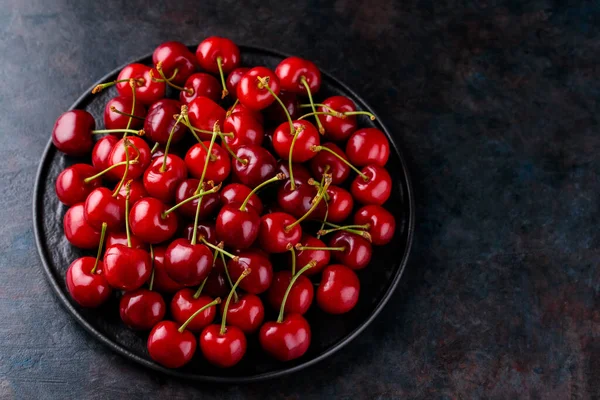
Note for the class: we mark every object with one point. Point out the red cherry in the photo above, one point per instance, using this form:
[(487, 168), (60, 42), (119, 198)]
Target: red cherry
[(298, 201), (247, 313), (340, 204), (162, 282), (240, 108), (339, 289), (117, 155), (206, 230), (160, 122), (213, 48), (147, 91), (136, 191), (339, 170), (275, 112), (86, 288), (122, 105), (301, 173), (148, 223), (382, 223), (250, 91), (204, 113), (162, 184), (187, 263), (223, 349), (77, 231), (142, 309), (245, 128), (217, 170), (101, 152), (357, 250), (300, 297), (368, 146), (376, 190), (71, 187), (286, 340), (291, 71), (169, 347), (306, 137), (237, 228), (273, 235), (72, 132), (101, 206), (237, 193), (113, 238), (233, 79), (126, 268), (200, 84), (337, 128), (321, 257), (184, 305), (209, 206), (261, 274), (260, 165), (175, 56), (216, 284)]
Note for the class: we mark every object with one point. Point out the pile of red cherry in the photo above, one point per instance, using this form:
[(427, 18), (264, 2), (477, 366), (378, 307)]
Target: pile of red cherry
[(194, 228)]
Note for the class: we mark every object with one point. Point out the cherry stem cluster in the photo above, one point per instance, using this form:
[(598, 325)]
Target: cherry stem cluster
[(315, 202), (310, 99), (226, 308)]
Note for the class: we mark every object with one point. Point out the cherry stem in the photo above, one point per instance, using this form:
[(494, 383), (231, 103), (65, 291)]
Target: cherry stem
[(225, 92), (295, 277), (290, 158), (231, 152), (99, 174), (194, 315), (321, 113), (264, 84), (312, 103), (200, 142), (293, 251), (116, 110), (228, 276), (164, 80), (230, 111), (100, 245), (371, 116), (356, 226), (342, 159), (102, 86), (191, 198), (315, 203), (325, 218), (199, 291), (317, 105), (139, 132), (226, 309), (151, 285), (163, 168), (219, 249), (301, 248), (154, 148), (132, 86), (127, 231), (168, 81), (280, 176), (364, 234), (189, 125), (127, 163), (340, 114)]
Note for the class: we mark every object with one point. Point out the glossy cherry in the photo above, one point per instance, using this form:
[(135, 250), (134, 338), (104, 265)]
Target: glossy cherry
[(218, 55), (218, 168), (303, 257), (237, 193), (286, 340), (247, 313), (340, 204), (101, 152), (252, 93), (298, 201), (368, 146), (376, 189), (118, 155), (274, 235), (233, 79), (382, 224), (245, 128), (113, 238), (216, 284), (337, 128), (148, 222), (339, 289), (72, 132), (147, 91), (162, 183), (162, 282), (117, 107), (101, 206), (299, 298), (77, 231), (324, 160), (240, 108), (71, 187), (259, 165), (261, 274), (236, 227), (184, 304), (87, 288), (203, 114), (126, 268), (306, 137), (175, 56), (210, 202), (187, 263), (275, 112), (159, 122), (357, 250), (136, 191), (292, 70), (141, 309), (301, 173), (200, 84), (169, 347)]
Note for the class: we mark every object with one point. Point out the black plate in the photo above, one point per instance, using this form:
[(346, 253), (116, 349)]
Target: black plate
[(330, 333)]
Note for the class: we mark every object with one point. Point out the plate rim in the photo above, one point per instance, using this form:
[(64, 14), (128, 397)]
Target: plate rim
[(123, 351)]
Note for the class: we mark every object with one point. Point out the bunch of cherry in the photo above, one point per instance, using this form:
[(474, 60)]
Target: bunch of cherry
[(258, 184)]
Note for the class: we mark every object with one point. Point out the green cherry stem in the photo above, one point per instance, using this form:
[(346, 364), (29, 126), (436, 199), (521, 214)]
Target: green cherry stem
[(231, 152), (315, 202), (356, 226), (168, 81), (164, 80), (194, 315), (225, 92), (220, 249), (154, 148), (342, 159), (100, 245), (199, 291), (227, 274), (151, 285), (311, 264), (293, 251), (235, 103), (139, 132), (310, 99), (280, 176), (364, 234), (184, 109), (368, 114), (102, 86), (132, 86), (99, 174), (116, 110), (127, 162), (264, 84), (299, 247), (127, 230), (290, 158), (223, 322), (321, 113), (191, 198), (325, 218)]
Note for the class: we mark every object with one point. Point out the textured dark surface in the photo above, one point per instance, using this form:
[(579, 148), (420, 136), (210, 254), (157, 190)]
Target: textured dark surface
[(496, 106)]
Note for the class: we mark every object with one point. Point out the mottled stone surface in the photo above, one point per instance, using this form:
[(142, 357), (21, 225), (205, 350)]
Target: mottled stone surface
[(496, 106)]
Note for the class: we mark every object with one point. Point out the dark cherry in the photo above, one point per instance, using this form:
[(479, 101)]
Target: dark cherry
[(217, 170), (247, 313), (136, 191), (237, 228), (303, 257), (169, 347), (291, 71), (210, 202), (301, 173), (340, 204), (163, 184), (325, 160), (77, 231), (357, 250), (300, 297), (237, 193), (160, 122), (376, 190), (187, 263), (70, 186), (101, 152), (250, 91), (86, 288), (147, 91), (298, 201), (203, 113), (101, 206), (117, 155), (205, 230), (141, 309), (116, 120), (175, 56), (275, 112), (245, 128), (113, 238), (126, 268), (306, 137), (368, 146), (286, 340), (200, 84), (223, 350), (216, 284), (260, 165), (339, 289), (233, 79), (184, 305), (382, 224), (72, 133), (162, 282), (273, 236), (261, 274), (214, 47), (337, 128), (148, 223)]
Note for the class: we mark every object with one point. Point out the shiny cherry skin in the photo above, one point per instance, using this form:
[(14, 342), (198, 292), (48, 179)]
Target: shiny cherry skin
[(247, 313), (237, 228), (340, 204), (205, 230), (301, 173), (136, 191), (273, 237), (101, 152), (237, 193), (290, 72), (233, 79), (115, 120), (300, 297), (169, 347), (376, 190), (223, 350), (101, 206), (303, 257), (141, 309), (147, 222), (187, 263), (126, 268), (113, 238), (175, 56), (382, 224), (245, 128), (298, 201), (368, 146), (217, 170), (162, 282), (200, 84), (210, 202), (275, 112), (307, 137), (214, 47), (160, 122), (72, 133), (337, 128), (163, 184), (183, 305), (77, 231), (357, 250), (239, 107), (325, 160), (339, 289), (261, 275), (250, 91), (87, 289), (286, 340), (70, 186), (203, 113), (216, 284), (147, 91), (260, 165), (118, 154)]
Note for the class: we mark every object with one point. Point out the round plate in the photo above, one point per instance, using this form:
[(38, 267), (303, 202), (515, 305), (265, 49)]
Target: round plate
[(330, 333)]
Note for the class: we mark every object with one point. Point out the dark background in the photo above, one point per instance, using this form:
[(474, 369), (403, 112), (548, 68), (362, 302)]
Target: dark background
[(495, 104)]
